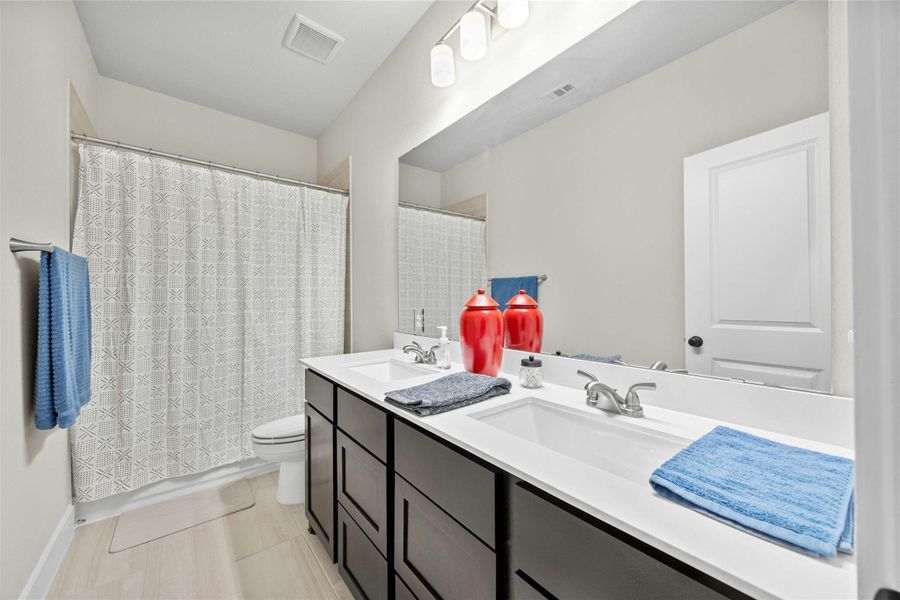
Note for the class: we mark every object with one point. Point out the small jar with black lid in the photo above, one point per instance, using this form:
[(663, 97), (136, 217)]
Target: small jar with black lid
[(531, 373)]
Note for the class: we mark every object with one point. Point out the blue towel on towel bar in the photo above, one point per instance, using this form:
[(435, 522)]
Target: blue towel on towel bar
[(795, 496), (504, 288), (62, 379)]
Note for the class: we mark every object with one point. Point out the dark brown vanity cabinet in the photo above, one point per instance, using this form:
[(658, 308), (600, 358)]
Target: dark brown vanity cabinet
[(409, 516), (557, 553), (320, 504)]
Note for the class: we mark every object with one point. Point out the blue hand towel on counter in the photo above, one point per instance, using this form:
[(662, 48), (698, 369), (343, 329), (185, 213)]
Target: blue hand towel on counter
[(449, 392), (504, 288), (798, 497), (62, 379)]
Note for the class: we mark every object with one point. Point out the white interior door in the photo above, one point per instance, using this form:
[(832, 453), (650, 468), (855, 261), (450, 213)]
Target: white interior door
[(757, 246)]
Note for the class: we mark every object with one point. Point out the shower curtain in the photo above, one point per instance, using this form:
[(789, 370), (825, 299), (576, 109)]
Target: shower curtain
[(442, 262), (207, 287)]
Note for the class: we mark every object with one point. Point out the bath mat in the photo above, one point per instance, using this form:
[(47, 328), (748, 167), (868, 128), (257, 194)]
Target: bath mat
[(152, 522)]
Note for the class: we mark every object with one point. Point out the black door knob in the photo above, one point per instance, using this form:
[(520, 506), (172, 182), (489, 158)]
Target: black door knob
[(695, 341)]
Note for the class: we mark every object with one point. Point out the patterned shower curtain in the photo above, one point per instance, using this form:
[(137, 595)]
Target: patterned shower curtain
[(207, 287), (442, 262)]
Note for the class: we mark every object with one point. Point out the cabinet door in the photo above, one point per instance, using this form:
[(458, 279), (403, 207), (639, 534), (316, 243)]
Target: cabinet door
[(436, 556), (320, 477), (557, 554), (362, 567), (362, 489)]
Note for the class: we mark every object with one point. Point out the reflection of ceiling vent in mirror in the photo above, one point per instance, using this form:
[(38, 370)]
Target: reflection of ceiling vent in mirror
[(311, 39), (559, 92)]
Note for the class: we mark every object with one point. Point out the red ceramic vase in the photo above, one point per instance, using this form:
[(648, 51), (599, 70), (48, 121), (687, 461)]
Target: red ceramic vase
[(524, 323), (481, 335)]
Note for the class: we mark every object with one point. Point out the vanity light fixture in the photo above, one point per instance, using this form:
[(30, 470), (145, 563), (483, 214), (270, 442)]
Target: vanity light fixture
[(443, 71), (473, 36)]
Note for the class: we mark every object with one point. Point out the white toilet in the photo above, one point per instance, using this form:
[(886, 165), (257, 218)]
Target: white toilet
[(282, 441)]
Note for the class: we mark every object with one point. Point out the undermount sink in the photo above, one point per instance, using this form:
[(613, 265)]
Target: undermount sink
[(600, 440), (389, 370)]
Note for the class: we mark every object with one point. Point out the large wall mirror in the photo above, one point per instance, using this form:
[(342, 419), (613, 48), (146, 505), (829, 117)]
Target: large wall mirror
[(676, 182)]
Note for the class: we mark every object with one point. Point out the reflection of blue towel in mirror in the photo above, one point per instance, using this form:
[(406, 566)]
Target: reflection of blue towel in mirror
[(504, 288)]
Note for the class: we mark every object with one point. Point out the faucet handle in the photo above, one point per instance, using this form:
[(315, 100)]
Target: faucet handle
[(632, 398), (591, 376)]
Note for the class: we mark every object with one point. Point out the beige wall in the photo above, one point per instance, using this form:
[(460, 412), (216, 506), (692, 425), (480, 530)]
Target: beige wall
[(43, 48), (466, 180), (398, 108), (607, 181), (419, 186), (146, 118)]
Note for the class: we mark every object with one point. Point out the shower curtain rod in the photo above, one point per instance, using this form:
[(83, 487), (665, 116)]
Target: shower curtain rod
[(204, 163), (443, 212)]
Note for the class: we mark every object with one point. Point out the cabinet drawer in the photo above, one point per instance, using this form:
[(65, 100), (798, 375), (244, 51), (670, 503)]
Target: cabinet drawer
[(361, 566), (526, 590), (401, 590), (320, 477), (435, 555), (362, 489), (569, 557), (320, 393), (363, 422), (457, 484)]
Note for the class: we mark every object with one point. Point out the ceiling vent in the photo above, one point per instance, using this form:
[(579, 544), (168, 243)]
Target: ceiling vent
[(310, 39), (559, 92)]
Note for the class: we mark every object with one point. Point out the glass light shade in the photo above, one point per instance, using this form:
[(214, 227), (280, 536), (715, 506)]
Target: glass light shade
[(512, 13), (472, 36), (443, 71)]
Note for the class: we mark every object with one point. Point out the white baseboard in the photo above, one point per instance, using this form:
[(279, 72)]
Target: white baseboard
[(51, 558), (89, 512)]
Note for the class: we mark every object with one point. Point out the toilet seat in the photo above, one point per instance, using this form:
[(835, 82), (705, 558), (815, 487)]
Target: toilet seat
[(282, 431)]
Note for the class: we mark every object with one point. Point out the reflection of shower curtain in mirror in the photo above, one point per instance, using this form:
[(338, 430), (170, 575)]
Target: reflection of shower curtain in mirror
[(441, 264), (207, 286)]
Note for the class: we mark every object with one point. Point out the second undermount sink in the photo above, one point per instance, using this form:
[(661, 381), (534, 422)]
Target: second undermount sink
[(600, 440), (389, 370)]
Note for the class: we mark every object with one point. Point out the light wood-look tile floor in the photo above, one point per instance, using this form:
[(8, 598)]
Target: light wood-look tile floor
[(262, 552)]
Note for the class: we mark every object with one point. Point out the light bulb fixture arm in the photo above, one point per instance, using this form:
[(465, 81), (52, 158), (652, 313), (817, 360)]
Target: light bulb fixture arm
[(478, 5)]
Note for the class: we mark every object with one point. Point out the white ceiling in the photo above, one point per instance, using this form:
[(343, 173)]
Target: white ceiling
[(228, 55), (643, 38)]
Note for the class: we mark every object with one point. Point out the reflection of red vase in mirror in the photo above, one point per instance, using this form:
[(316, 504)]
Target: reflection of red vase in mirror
[(524, 323), (481, 335)]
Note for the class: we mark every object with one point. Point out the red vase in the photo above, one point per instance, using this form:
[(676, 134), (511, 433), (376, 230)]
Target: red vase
[(524, 324), (481, 335)]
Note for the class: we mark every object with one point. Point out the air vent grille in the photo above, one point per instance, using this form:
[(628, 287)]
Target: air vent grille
[(310, 39), (559, 92)]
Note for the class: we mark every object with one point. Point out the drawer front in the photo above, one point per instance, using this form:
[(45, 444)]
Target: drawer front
[(525, 590), (401, 590), (320, 393), (320, 477), (457, 484), (362, 489), (361, 566), (363, 422), (435, 555), (568, 557)]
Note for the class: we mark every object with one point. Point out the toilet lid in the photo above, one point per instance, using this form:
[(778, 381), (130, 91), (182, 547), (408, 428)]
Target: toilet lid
[(282, 429)]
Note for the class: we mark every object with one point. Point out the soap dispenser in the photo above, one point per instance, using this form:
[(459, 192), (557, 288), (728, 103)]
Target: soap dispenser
[(443, 355)]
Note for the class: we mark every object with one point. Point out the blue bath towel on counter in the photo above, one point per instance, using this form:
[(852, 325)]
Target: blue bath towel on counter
[(798, 497), (504, 288), (449, 392), (62, 379), (602, 358)]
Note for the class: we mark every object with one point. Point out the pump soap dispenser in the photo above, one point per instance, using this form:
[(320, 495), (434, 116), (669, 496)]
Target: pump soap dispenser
[(443, 354)]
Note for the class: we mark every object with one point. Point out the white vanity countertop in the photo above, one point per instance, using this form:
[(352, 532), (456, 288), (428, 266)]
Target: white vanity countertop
[(755, 566)]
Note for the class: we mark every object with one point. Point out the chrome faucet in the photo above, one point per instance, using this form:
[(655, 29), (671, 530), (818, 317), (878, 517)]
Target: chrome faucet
[(605, 398), (426, 357)]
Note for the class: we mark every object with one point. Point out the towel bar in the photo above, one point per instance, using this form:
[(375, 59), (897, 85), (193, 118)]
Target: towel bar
[(17, 245)]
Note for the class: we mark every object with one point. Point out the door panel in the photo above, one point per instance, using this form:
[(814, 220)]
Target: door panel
[(757, 239), (320, 477)]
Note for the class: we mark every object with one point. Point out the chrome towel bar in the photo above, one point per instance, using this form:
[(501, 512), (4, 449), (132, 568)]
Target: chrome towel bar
[(17, 245)]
